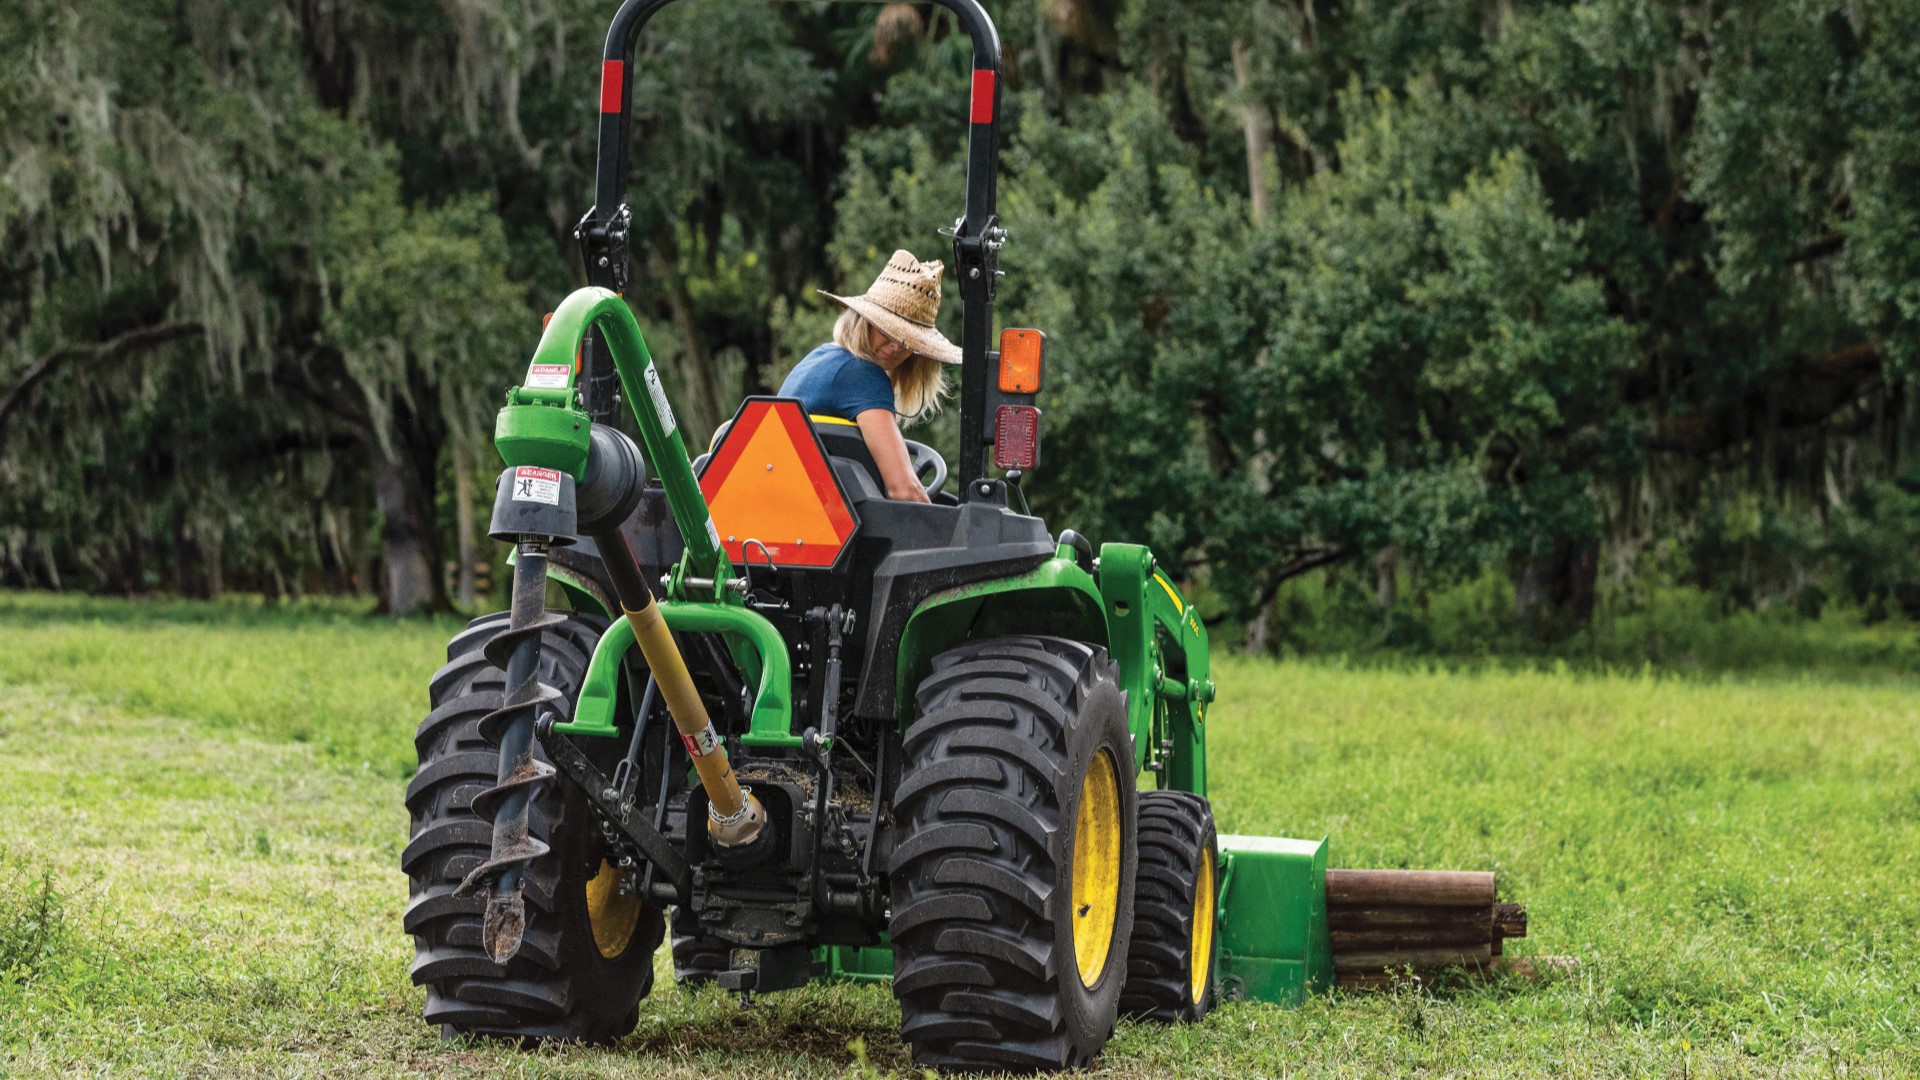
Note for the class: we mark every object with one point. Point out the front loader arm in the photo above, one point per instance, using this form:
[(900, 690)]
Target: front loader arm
[(1161, 646)]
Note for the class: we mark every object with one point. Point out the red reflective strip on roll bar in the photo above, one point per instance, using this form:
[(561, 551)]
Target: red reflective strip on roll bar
[(610, 73), (982, 96)]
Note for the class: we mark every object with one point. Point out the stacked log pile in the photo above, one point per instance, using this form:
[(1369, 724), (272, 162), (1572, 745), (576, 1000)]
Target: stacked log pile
[(1385, 921)]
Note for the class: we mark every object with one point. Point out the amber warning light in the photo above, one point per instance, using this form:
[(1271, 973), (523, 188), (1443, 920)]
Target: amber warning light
[(1021, 353), (1016, 437)]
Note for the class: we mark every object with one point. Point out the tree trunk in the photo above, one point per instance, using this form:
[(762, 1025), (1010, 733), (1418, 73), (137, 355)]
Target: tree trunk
[(1044, 46), (335, 559), (463, 524), (409, 571), (695, 390), (1555, 591), (190, 576), (1258, 131), (1386, 584), (1259, 632)]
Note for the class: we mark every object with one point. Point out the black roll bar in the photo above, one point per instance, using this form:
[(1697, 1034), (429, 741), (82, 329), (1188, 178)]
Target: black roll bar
[(977, 237)]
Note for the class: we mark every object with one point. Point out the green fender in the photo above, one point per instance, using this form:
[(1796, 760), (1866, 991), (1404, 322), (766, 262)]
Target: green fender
[(1056, 597), (1131, 609)]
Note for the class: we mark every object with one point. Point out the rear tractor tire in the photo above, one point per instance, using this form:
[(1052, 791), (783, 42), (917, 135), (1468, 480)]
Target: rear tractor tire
[(587, 958), (1171, 968), (1013, 881)]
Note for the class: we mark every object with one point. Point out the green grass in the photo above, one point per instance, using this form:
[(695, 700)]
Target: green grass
[(200, 824), (1674, 629), (322, 673)]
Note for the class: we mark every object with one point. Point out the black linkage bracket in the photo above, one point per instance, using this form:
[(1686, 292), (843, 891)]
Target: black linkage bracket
[(605, 251), (604, 246), (976, 258), (621, 812)]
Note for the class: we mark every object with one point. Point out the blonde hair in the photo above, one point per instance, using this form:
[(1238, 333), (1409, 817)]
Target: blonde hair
[(919, 386)]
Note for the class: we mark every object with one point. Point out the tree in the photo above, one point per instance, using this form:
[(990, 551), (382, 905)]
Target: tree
[(421, 328)]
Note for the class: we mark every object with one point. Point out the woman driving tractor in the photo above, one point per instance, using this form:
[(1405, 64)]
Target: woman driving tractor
[(883, 366)]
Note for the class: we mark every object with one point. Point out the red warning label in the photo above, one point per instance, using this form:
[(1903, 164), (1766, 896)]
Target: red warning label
[(533, 484), (702, 744)]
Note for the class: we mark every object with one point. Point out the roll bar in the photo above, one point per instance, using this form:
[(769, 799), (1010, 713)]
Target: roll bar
[(977, 236)]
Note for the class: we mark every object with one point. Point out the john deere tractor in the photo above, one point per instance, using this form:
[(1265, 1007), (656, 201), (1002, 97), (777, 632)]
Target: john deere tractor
[(810, 732)]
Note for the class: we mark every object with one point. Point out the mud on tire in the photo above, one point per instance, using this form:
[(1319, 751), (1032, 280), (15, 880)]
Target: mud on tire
[(996, 966), (565, 984)]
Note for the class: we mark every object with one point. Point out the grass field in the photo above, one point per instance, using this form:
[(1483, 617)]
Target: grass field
[(200, 828)]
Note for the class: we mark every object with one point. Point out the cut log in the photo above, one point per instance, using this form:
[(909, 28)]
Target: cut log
[(1409, 916), (1408, 937), (1509, 920), (1417, 887), (1394, 959), (1352, 980)]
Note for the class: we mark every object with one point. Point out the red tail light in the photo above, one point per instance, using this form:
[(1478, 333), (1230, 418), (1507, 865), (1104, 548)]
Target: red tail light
[(1016, 437)]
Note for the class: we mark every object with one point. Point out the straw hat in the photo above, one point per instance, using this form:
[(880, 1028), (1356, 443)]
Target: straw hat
[(902, 303)]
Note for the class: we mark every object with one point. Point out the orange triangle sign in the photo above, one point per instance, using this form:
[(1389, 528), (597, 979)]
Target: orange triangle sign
[(769, 481)]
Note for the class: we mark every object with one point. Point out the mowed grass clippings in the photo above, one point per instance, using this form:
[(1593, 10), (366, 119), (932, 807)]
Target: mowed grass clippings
[(191, 890)]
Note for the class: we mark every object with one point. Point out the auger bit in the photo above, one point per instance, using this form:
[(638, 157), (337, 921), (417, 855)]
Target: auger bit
[(534, 525), (521, 778)]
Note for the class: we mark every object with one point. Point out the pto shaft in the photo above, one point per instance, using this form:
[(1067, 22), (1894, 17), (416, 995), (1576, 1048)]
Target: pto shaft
[(734, 816), (614, 477)]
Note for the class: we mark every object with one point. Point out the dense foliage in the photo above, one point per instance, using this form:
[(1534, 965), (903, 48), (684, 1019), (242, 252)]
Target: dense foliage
[(1576, 294)]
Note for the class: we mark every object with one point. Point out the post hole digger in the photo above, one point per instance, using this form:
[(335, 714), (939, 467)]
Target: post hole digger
[(837, 735)]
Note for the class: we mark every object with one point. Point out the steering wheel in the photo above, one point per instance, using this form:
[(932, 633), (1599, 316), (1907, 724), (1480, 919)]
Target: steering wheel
[(928, 466)]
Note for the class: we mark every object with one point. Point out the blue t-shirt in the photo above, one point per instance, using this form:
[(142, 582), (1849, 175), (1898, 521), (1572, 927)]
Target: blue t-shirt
[(830, 381)]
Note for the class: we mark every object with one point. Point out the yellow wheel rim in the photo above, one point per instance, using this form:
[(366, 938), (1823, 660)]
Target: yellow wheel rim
[(1202, 957), (1096, 868), (614, 915)]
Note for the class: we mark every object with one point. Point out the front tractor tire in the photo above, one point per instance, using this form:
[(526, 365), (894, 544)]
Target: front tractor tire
[(1170, 972), (1013, 880), (587, 958)]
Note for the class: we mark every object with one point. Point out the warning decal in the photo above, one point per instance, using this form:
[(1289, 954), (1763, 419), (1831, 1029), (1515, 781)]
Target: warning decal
[(532, 484), (659, 394), (706, 742), (549, 376)]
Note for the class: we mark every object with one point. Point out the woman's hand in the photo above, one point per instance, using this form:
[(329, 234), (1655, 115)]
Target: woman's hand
[(889, 450)]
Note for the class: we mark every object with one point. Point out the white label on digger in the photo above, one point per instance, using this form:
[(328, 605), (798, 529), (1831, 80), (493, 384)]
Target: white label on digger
[(702, 744), (549, 376), (532, 484), (660, 407), (713, 534)]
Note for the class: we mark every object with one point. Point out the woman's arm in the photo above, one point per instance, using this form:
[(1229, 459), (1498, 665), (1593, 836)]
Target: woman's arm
[(889, 450)]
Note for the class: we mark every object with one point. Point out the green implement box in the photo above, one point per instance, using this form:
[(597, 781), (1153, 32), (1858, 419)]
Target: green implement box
[(1273, 919)]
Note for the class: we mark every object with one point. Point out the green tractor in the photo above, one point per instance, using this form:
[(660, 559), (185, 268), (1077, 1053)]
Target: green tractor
[(851, 738)]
